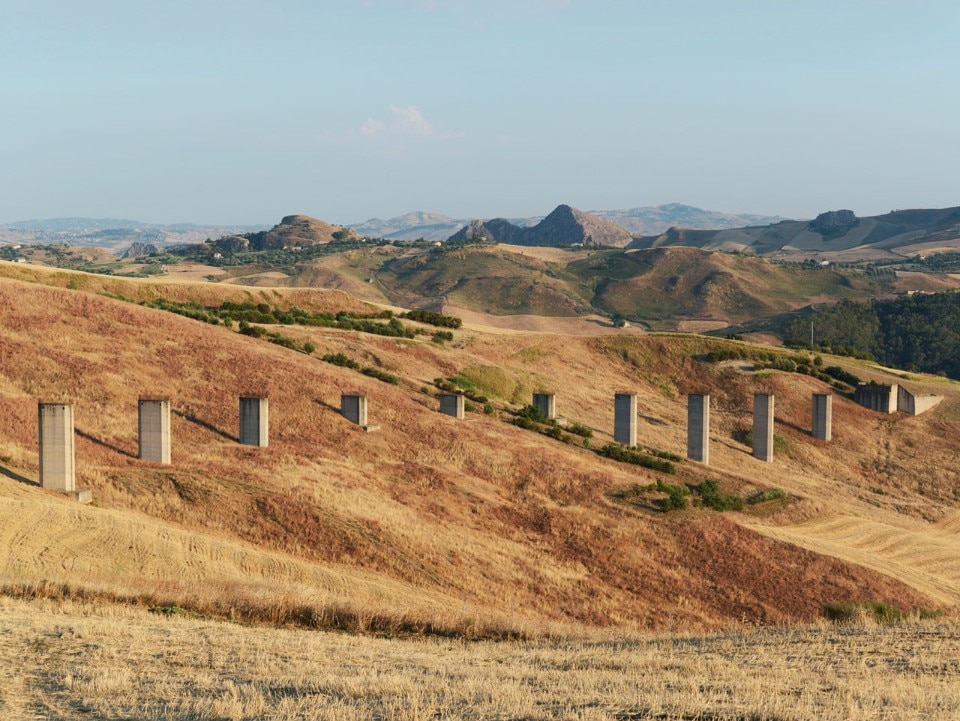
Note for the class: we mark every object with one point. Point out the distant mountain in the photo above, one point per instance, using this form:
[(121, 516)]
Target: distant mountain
[(834, 235), (113, 234), (655, 219), (290, 232), (410, 226), (650, 220), (565, 226)]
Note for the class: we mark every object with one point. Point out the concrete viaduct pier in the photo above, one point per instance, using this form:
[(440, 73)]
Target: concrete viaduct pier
[(822, 416), (763, 426), (698, 428), (453, 404), (353, 407), (254, 421), (625, 418), (546, 403), (153, 422), (57, 460)]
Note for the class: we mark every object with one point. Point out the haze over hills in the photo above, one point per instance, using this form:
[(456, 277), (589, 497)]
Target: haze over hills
[(647, 220), (114, 234)]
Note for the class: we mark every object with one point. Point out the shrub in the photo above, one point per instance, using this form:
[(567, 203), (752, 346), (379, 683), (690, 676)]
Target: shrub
[(710, 497), (676, 495), (771, 494), (339, 359), (488, 408), (532, 413), (380, 375), (309, 348), (851, 610), (842, 375), (440, 336), (431, 318), (579, 429), (254, 331), (616, 452), (282, 340)]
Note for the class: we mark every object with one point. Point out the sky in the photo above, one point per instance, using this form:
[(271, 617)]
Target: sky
[(242, 111)]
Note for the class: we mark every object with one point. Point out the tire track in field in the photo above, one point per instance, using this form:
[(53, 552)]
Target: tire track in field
[(927, 559), (43, 537)]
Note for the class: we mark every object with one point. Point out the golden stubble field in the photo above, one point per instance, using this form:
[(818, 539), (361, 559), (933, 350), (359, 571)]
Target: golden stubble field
[(432, 524), (75, 661)]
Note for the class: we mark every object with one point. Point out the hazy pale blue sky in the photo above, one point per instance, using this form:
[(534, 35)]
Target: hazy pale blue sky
[(238, 111)]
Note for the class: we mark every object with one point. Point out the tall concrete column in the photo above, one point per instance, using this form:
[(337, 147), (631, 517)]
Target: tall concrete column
[(763, 426), (452, 404), (353, 407), (254, 421), (154, 429), (57, 466), (625, 418), (698, 428), (823, 416), (546, 403)]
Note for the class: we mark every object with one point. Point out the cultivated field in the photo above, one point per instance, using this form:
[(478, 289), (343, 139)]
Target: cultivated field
[(74, 661)]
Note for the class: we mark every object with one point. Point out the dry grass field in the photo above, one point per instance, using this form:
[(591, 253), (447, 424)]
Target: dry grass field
[(433, 531), (76, 661)]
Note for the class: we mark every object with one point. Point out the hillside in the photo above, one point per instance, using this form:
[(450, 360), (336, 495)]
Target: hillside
[(474, 526), (665, 288), (665, 284), (834, 235), (661, 288), (565, 226)]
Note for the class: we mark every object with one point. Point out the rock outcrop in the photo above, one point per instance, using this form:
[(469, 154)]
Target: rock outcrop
[(292, 231), (139, 250), (834, 222), (565, 226)]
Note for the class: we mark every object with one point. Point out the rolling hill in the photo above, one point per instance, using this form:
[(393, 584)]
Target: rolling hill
[(834, 235), (659, 287), (475, 527)]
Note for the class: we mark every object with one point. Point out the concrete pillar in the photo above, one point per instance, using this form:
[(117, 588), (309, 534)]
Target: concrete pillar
[(822, 416), (353, 407), (763, 426), (452, 404), (625, 418), (254, 421), (57, 467), (546, 403), (698, 428), (154, 426)]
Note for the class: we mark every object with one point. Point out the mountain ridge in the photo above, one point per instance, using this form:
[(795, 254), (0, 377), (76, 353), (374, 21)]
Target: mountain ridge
[(565, 226), (643, 220)]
